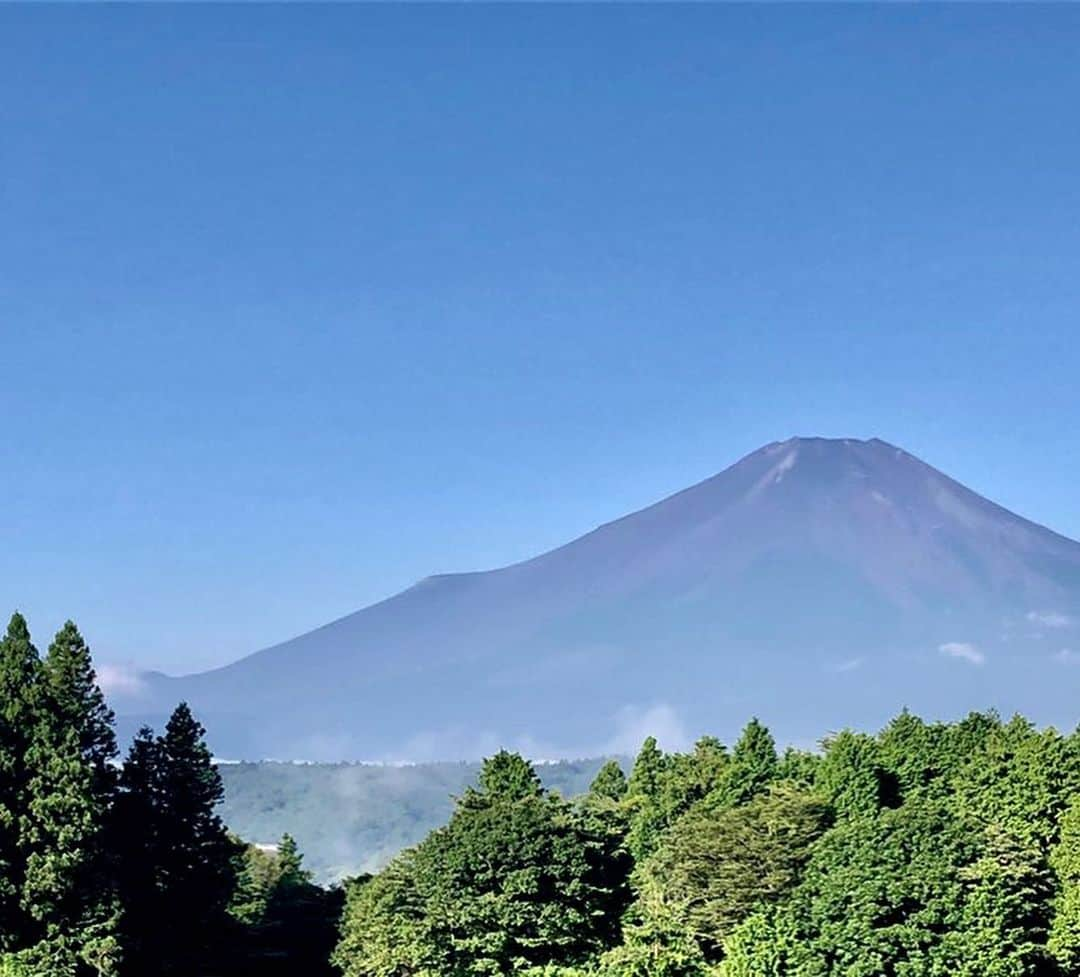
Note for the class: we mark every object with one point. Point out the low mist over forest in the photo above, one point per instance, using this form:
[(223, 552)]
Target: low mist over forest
[(378, 809)]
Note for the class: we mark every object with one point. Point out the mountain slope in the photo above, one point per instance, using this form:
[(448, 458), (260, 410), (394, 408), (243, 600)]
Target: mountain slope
[(812, 578)]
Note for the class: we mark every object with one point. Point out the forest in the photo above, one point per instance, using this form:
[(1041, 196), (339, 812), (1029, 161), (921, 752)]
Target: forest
[(927, 849)]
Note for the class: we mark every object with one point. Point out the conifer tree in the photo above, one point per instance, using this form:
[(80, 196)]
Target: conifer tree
[(68, 887), (196, 873), (180, 863), (20, 672), (77, 702), (643, 796), (136, 840), (754, 764)]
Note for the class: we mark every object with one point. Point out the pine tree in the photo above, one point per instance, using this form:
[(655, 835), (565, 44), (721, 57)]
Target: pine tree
[(68, 888), (20, 674)]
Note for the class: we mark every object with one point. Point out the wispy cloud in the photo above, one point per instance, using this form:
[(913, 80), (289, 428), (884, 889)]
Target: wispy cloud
[(964, 651), (120, 680), (1050, 619), (1067, 657), (845, 666), (633, 724)]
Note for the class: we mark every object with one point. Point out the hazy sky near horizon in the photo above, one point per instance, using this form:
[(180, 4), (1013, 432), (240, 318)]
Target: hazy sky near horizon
[(300, 304)]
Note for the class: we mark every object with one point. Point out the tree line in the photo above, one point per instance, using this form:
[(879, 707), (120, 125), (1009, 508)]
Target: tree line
[(928, 849), (124, 869)]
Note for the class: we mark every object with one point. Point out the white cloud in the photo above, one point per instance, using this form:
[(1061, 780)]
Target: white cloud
[(964, 651), (120, 680), (1067, 657), (634, 724), (1049, 619), (845, 666)]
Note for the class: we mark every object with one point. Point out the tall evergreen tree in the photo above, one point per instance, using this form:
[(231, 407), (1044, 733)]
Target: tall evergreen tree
[(136, 839), (178, 902), (643, 795), (68, 887), (20, 675), (78, 703)]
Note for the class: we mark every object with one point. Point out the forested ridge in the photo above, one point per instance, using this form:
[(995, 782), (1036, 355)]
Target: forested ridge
[(928, 849)]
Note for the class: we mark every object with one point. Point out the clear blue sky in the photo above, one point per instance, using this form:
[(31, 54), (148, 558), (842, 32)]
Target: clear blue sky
[(298, 305)]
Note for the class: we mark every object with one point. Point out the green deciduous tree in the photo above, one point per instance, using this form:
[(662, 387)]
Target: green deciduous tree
[(715, 867), (516, 880)]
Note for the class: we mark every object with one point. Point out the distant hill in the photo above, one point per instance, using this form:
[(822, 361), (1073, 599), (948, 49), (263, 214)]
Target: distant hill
[(815, 581), (351, 818)]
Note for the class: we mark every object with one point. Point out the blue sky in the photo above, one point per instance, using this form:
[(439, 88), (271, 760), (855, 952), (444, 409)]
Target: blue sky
[(298, 304)]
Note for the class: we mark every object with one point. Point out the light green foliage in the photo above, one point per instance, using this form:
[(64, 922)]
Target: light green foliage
[(383, 932), (515, 880), (654, 947), (766, 944), (644, 801), (1002, 929), (715, 867), (1064, 941)]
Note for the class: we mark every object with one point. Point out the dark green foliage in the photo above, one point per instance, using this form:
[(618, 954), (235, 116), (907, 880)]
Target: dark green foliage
[(178, 875), (289, 924), (851, 775), (20, 674), (130, 875), (69, 887)]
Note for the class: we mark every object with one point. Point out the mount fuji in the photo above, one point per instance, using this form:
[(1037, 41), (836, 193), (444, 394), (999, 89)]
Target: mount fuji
[(815, 581)]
